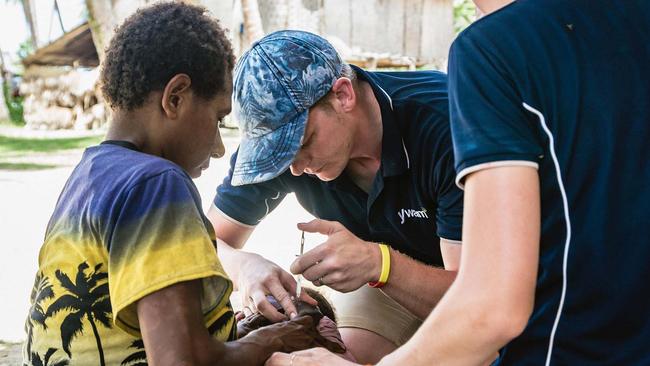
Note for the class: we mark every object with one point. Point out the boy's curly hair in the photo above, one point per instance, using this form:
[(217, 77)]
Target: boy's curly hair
[(158, 42)]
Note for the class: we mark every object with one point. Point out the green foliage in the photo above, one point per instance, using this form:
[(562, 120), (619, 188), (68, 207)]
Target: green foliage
[(14, 105), (464, 14), (25, 166), (15, 150), (21, 145), (25, 49)]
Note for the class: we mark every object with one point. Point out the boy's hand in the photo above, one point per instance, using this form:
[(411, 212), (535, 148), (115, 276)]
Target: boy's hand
[(293, 335)]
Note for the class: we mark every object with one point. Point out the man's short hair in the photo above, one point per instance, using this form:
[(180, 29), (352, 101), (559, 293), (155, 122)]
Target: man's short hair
[(161, 41)]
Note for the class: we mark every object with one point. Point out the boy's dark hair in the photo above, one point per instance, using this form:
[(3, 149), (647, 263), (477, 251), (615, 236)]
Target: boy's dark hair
[(158, 42), (324, 305)]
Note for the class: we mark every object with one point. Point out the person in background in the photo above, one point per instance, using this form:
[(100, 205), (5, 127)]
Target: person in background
[(550, 111)]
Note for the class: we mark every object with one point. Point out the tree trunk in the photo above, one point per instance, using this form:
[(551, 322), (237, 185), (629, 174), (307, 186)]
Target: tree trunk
[(99, 342), (102, 23), (252, 20), (4, 111), (31, 21)]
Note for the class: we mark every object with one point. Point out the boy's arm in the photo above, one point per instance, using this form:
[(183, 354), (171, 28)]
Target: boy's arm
[(173, 331)]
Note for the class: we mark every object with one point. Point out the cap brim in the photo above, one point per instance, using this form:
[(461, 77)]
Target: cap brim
[(265, 157)]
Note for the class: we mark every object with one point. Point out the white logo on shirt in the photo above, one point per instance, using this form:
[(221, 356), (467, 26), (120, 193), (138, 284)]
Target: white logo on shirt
[(410, 213)]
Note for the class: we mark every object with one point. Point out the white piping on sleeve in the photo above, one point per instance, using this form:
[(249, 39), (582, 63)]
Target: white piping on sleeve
[(223, 214), (567, 219), (266, 202), (408, 161), (491, 164)]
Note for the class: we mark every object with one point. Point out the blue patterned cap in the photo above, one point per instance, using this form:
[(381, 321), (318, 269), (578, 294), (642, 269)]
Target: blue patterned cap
[(275, 84)]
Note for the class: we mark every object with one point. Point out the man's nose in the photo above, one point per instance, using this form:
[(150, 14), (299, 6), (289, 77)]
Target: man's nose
[(298, 166), (218, 150)]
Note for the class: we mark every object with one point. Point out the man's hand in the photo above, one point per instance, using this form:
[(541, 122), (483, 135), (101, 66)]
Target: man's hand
[(310, 357), (343, 262), (259, 277)]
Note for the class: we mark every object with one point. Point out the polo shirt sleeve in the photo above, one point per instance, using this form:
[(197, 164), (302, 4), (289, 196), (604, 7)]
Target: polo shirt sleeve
[(160, 238), (247, 204), (489, 124), (449, 212), (437, 159)]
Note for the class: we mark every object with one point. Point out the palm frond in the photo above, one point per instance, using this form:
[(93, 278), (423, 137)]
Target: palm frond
[(37, 315), (48, 354), (95, 277), (133, 357), (100, 291), (137, 344), (103, 317), (44, 292), (70, 327), (66, 282), (35, 359), (62, 303), (81, 281)]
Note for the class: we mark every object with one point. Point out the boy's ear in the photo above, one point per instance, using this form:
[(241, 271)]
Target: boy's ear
[(176, 93)]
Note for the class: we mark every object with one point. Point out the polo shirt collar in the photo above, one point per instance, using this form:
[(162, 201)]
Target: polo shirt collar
[(394, 156)]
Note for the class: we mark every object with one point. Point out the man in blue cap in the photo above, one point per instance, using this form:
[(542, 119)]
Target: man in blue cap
[(369, 154)]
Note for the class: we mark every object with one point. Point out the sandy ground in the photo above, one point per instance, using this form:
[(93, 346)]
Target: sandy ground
[(27, 199)]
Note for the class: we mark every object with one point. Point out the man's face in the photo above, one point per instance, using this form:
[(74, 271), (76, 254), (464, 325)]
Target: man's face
[(326, 146), (198, 138)]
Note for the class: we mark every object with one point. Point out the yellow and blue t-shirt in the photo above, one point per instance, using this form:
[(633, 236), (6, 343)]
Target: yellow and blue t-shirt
[(127, 224)]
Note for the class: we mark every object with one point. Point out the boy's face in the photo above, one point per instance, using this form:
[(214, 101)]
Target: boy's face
[(197, 136)]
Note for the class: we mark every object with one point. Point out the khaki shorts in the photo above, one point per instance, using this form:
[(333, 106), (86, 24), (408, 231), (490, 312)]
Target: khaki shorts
[(371, 309)]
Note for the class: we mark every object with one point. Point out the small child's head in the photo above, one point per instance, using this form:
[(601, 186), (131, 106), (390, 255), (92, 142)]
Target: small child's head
[(168, 68)]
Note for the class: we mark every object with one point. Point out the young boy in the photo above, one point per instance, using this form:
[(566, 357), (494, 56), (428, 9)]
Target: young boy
[(129, 261)]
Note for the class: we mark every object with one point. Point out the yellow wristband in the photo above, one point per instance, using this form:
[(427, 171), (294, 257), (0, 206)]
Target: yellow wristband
[(385, 267)]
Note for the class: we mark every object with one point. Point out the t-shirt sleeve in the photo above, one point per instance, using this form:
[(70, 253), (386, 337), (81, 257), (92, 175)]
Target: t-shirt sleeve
[(159, 239), (489, 123), (247, 204)]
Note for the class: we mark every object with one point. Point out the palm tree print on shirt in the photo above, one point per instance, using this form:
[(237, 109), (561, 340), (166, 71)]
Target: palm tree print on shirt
[(137, 358), (36, 360), (87, 297), (41, 291)]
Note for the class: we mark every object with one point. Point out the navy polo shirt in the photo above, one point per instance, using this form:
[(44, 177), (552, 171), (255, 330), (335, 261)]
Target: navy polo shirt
[(413, 200), (564, 86)]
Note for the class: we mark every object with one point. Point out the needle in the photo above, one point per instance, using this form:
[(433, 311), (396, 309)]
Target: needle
[(299, 279)]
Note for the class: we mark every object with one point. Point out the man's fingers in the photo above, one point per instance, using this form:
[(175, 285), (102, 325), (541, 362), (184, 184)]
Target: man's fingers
[(278, 359), (310, 258), (304, 297), (320, 226), (290, 284), (283, 298), (313, 356), (316, 271), (266, 308)]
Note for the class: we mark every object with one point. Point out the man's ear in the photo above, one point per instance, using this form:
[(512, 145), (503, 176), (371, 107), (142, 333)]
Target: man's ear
[(175, 94), (344, 94)]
